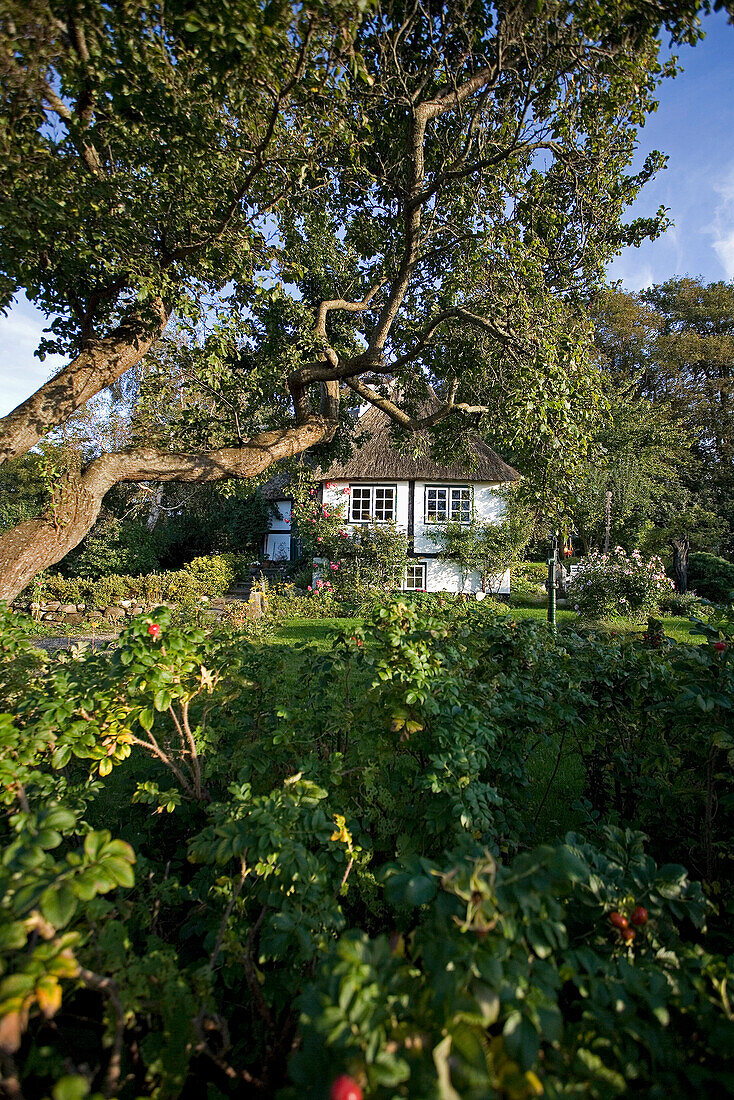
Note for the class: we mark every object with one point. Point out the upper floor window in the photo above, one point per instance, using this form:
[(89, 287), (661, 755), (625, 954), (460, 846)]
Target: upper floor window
[(446, 503), (374, 503)]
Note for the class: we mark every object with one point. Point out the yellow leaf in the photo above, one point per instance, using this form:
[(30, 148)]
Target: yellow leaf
[(48, 993), (341, 832), (207, 679), (533, 1083)]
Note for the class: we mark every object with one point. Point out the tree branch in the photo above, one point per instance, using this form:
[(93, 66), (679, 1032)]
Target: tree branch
[(99, 364), (107, 986)]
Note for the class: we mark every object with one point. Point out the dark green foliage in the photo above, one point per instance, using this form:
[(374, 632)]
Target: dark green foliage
[(207, 520), (514, 980), (113, 546), (711, 577), (359, 827), (24, 490)]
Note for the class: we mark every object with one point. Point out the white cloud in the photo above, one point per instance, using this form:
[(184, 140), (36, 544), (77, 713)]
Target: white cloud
[(722, 228), (21, 373), (635, 274), (724, 249)]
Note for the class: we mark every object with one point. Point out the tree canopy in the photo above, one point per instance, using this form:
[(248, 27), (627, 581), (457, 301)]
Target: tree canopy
[(420, 193), (664, 447)]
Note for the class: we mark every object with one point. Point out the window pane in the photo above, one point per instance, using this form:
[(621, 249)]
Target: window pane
[(436, 505), (361, 502), (384, 504), (461, 505), (415, 577)]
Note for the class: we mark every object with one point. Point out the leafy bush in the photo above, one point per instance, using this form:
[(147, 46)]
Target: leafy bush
[(113, 546), (528, 580), (618, 584), (284, 601), (360, 827), (510, 980), (213, 575), (202, 577), (371, 556), (682, 603), (711, 577)]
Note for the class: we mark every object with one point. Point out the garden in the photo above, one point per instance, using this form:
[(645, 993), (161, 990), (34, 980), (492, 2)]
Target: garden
[(445, 852), (272, 827)]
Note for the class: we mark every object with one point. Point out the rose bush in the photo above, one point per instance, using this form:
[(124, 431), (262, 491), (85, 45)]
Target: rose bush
[(618, 584)]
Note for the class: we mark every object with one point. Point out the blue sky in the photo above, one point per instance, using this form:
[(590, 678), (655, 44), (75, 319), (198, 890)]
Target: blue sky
[(694, 125)]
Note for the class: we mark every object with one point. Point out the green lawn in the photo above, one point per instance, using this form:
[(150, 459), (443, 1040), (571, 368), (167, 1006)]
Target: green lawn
[(318, 632), (674, 626)]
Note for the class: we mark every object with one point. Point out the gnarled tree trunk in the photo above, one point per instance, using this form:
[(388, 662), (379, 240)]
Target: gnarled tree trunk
[(39, 543)]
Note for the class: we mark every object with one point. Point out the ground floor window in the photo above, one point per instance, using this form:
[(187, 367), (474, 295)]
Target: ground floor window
[(415, 577)]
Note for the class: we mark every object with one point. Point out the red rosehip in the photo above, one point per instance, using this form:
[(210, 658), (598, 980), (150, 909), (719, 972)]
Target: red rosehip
[(345, 1088), (618, 921), (627, 934), (720, 646), (639, 916), (154, 630)]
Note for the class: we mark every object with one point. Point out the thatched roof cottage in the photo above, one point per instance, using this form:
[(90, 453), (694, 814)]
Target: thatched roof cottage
[(414, 491)]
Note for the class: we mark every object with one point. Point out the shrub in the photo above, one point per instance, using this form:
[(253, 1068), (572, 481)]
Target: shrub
[(370, 556), (360, 826), (528, 580), (509, 980), (108, 590), (682, 604), (213, 575), (284, 601), (617, 584), (711, 577), (206, 576), (113, 546)]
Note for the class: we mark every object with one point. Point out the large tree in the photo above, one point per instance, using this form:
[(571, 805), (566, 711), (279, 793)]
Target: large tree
[(422, 191), (693, 359), (668, 357)]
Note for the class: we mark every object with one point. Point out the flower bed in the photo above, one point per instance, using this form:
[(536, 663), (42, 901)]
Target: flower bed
[(618, 584)]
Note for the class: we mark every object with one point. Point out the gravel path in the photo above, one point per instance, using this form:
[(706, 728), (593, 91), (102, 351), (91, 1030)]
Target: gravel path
[(53, 645)]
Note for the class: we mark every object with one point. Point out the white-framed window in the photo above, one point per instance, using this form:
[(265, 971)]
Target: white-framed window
[(373, 503), (448, 502), (415, 576)]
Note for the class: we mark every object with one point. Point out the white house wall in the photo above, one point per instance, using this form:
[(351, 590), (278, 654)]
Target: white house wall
[(446, 576), (441, 576), (487, 507)]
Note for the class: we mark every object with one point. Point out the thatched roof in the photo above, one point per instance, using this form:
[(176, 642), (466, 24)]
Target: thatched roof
[(278, 487), (378, 457)]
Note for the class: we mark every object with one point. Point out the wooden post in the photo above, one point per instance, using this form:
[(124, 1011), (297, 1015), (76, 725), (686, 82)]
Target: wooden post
[(552, 580), (681, 547)]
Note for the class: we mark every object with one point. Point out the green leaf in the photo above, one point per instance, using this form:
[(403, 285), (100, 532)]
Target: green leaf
[(58, 904), (95, 843), (146, 719), (71, 1088), (162, 700)]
